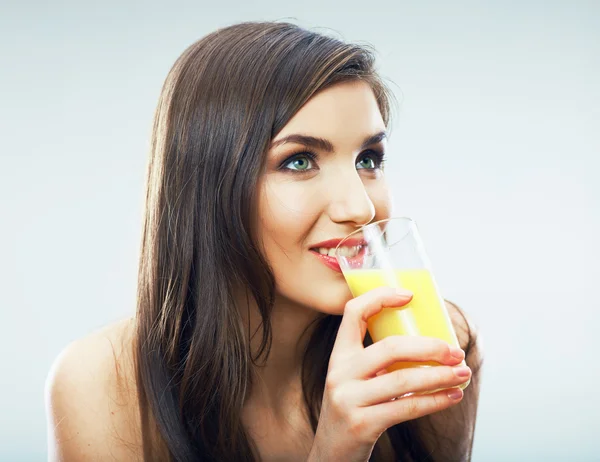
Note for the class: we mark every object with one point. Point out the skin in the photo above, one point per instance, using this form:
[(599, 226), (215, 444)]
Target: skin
[(301, 203), (299, 208)]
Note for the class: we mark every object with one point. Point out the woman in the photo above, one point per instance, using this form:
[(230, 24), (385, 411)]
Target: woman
[(268, 142)]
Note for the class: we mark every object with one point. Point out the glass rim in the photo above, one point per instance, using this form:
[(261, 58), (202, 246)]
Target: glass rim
[(405, 219)]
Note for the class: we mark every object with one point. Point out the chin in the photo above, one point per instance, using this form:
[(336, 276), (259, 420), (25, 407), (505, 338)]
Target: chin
[(325, 292), (331, 299)]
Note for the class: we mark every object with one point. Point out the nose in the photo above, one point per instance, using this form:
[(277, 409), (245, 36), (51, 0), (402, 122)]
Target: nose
[(350, 203)]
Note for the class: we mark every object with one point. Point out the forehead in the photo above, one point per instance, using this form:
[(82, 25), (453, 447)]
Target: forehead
[(344, 114)]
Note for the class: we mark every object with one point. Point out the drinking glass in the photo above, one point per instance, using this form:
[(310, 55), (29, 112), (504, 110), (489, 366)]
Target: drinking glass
[(391, 253)]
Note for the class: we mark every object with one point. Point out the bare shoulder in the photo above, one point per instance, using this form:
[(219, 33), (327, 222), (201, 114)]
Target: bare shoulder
[(468, 335), (91, 399)]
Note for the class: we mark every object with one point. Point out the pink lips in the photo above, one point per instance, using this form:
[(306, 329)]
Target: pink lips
[(332, 262), (332, 243)]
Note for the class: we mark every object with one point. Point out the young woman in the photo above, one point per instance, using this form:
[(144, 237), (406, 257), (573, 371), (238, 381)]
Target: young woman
[(268, 146)]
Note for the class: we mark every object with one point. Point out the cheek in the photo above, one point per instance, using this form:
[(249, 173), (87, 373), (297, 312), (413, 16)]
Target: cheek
[(287, 214), (287, 211)]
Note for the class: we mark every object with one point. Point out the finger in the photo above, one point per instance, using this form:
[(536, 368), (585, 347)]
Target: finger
[(412, 380), (396, 348), (354, 321), (411, 407)]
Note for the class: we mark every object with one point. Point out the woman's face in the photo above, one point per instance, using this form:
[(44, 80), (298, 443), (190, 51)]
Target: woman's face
[(323, 179)]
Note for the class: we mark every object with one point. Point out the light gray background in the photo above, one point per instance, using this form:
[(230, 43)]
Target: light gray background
[(494, 153)]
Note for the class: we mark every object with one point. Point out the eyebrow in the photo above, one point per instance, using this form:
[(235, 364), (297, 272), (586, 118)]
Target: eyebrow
[(323, 144)]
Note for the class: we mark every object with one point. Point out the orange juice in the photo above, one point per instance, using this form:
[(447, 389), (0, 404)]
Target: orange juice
[(424, 315)]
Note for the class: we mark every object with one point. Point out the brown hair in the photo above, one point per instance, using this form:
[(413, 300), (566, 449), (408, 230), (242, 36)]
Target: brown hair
[(222, 103)]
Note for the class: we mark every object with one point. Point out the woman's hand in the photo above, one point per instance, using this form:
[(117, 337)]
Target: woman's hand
[(359, 403)]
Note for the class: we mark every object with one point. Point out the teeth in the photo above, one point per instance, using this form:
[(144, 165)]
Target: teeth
[(343, 251)]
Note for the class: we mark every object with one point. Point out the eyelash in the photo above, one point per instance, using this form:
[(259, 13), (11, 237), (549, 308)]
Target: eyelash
[(379, 157)]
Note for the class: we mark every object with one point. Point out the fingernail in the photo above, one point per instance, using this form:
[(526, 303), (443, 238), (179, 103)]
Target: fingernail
[(462, 371), (404, 293), (455, 394), (458, 353)]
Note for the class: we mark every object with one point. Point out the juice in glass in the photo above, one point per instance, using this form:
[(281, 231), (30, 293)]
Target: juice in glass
[(391, 253), (429, 315)]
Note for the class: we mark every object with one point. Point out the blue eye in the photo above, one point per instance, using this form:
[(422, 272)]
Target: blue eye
[(370, 161), (299, 163), (366, 162)]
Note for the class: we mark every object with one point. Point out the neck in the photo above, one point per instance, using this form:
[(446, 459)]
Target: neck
[(277, 377)]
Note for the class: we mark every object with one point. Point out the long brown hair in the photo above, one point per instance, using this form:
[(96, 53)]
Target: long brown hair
[(222, 103)]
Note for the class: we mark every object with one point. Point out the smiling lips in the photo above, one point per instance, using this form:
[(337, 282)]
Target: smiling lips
[(326, 251)]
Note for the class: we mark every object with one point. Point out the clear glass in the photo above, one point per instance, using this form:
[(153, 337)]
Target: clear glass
[(391, 253)]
